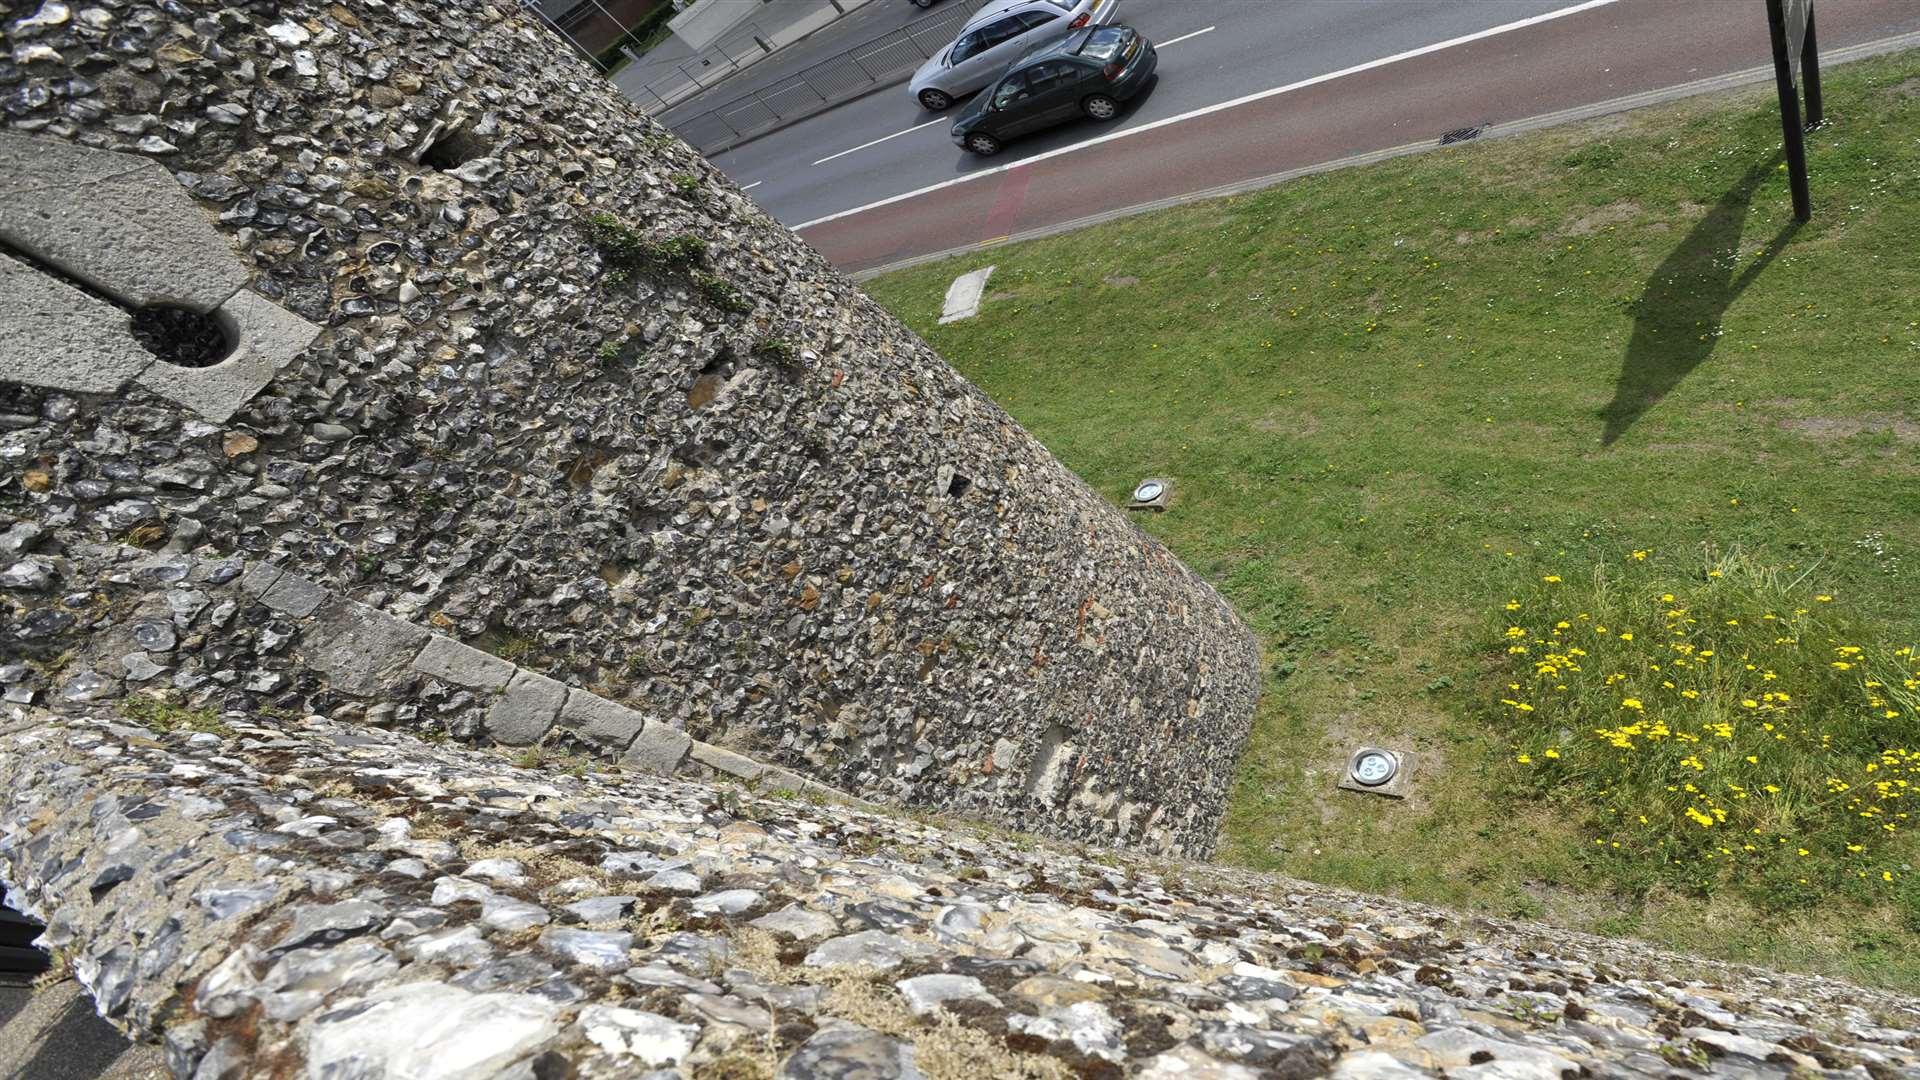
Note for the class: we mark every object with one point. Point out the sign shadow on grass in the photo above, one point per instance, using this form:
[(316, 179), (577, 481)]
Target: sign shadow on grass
[(1676, 320)]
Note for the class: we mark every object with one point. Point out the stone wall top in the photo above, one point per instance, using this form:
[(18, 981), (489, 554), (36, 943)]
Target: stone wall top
[(316, 899)]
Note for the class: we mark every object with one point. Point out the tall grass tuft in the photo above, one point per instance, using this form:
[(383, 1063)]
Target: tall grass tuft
[(1715, 723)]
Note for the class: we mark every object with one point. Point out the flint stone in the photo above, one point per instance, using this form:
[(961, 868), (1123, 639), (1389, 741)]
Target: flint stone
[(660, 748), (506, 914), (600, 721), (926, 993), (1187, 1063), (601, 909), (526, 710), (457, 945), (1087, 1025), (799, 923), (462, 665), (27, 575), (851, 1053), (869, 948), (428, 1031), (360, 650), (1456, 1048), (725, 902), (604, 951), (225, 899), (325, 924), (650, 1037)]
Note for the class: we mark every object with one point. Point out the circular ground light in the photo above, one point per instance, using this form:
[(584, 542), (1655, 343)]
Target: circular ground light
[(1148, 491), (1372, 767)]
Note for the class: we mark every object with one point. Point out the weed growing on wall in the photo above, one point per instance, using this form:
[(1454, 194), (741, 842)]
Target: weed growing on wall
[(1718, 723)]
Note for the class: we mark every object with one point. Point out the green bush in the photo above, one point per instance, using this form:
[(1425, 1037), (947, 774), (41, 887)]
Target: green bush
[(1715, 723)]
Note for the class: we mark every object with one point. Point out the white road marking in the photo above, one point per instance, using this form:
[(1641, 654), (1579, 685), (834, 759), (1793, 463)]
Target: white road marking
[(1183, 37), (750, 187), (883, 138), (1257, 96)]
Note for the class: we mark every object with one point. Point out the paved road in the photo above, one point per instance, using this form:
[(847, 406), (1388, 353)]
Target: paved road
[(869, 20), (1582, 54)]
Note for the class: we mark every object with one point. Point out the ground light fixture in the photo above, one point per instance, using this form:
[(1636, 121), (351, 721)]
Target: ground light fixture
[(1153, 493), (1373, 770)]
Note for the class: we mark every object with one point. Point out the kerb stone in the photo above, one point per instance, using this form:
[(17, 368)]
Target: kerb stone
[(526, 711), (659, 749), (462, 665), (267, 338), (600, 721), (726, 761), (293, 595), (360, 649), (59, 337)]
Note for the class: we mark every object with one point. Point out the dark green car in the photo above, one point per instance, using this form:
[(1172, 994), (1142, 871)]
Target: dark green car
[(1087, 73)]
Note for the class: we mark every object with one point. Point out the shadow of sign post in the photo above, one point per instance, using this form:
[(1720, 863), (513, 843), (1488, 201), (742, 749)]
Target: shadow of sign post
[(1676, 320)]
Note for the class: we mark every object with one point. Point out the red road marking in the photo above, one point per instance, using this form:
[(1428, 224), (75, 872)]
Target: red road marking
[(1006, 208)]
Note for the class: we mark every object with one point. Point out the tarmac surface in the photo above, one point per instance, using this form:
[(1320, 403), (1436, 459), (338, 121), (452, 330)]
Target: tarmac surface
[(1249, 89)]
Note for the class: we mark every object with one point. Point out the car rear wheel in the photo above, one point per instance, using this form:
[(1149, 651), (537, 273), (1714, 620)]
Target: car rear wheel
[(1101, 107), (923, 4), (935, 100), (983, 144)]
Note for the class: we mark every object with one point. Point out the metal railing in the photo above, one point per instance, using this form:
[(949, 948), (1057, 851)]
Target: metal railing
[(882, 60), (735, 50)]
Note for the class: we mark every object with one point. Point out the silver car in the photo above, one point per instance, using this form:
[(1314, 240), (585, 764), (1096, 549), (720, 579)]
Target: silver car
[(997, 35)]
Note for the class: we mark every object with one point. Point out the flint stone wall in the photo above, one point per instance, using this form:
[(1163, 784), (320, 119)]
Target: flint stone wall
[(313, 899), (719, 485)]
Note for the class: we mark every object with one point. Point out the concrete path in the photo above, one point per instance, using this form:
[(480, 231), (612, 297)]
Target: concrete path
[(53, 1034), (802, 33)]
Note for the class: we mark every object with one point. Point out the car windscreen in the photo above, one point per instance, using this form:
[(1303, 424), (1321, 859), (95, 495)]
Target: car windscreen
[(1105, 43)]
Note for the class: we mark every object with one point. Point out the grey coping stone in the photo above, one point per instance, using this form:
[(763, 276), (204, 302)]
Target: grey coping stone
[(359, 649), (526, 710), (599, 721), (294, 595), (463, 665), (59, 337), (963, 296), (258, 578), (659, 749), (774, 778), (726, 761), (266, 338), (119, 222)]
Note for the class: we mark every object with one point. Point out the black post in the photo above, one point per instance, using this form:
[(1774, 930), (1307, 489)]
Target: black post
[(1796, 144), (1810, 75)]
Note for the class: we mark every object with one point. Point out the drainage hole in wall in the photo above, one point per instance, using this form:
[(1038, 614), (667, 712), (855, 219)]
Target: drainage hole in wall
[(958, 486), (179, 336), (452, 150)]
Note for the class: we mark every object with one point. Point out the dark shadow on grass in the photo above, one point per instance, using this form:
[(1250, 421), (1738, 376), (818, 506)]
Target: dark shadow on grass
[(1676, 320)]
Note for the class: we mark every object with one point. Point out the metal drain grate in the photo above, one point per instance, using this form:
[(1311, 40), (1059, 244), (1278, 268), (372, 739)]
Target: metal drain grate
[(1462, 134)]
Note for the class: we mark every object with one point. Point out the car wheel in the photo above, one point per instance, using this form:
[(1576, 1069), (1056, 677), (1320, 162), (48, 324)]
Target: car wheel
[(983, 144), (923, 4), (1101, 107), (935, 100)]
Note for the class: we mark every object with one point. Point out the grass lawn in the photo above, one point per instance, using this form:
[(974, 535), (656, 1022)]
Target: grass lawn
[(1396, 399)]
